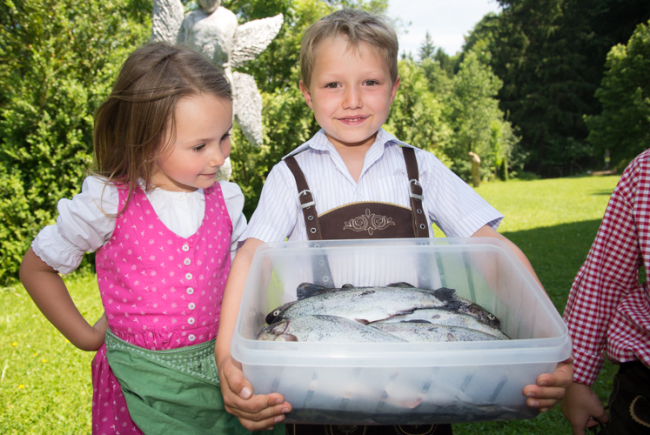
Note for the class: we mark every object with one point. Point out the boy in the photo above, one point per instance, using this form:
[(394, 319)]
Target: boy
[(609, 309), (352, 167)]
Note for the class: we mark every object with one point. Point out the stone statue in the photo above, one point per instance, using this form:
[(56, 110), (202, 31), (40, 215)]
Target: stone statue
[(214, 32)]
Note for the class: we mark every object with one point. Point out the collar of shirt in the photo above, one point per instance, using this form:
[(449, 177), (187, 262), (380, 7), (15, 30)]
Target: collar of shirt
[(319, 142)]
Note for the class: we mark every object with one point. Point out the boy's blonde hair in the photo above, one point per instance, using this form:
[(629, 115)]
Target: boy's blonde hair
[(358, 26)]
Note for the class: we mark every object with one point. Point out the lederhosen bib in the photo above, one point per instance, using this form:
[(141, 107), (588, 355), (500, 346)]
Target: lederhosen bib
[(364, 220)]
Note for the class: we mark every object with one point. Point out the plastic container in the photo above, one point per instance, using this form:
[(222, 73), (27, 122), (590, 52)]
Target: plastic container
[(401, 383)]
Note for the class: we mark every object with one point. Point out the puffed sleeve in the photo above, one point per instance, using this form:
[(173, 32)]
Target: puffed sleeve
[(85, 223), (234, 198)]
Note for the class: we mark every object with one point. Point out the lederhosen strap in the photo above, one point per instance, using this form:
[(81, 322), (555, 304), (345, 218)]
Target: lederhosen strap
[(307, 203), (420, 227)]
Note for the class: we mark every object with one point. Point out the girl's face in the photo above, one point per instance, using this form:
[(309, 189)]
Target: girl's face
[(201, 145)]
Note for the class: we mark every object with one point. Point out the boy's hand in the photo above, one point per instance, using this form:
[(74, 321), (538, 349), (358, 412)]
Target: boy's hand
[(550, 387), (99, 331), (582, 408), (259, 412)]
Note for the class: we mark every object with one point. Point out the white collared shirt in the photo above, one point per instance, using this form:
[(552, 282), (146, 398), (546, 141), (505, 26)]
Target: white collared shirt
[(448, 201), (86, 222)]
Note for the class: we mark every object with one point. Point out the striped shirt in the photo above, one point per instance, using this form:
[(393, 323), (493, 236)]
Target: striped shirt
[(448, 201), (607, 308)]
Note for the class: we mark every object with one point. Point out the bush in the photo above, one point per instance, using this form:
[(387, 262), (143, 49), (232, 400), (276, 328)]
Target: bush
[(57, 63)]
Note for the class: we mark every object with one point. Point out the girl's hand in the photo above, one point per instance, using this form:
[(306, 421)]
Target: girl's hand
[(99, 331), (49, 293)]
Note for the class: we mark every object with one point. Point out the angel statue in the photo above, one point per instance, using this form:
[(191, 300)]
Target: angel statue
[(214, 32)]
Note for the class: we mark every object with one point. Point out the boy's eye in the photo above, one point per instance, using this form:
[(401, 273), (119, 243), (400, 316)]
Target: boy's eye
[(372, 82), (332, 85)]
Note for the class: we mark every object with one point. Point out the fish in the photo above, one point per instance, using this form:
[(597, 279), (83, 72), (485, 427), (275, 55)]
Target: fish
[(365, 304), (425, 332), (325, 329), (465, 306), (445, 317)]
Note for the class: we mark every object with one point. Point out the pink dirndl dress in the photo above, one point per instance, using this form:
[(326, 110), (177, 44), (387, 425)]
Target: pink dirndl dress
[(160, 291)]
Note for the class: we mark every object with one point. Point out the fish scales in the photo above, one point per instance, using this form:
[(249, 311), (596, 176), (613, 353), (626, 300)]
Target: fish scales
[(325, 329), (424, 332), (366, 304)]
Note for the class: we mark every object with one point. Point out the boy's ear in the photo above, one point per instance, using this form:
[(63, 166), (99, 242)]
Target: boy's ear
[(393, 90), (305, 93)]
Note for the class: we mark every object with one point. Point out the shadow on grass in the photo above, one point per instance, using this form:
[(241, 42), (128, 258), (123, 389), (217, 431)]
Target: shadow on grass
[(556, 254)]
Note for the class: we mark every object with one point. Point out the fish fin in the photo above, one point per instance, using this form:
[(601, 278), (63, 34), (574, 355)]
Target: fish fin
[(306, 290), (415, 321), (445, 294), (401, 285), (286, 337), (362, 321), (348, 286)]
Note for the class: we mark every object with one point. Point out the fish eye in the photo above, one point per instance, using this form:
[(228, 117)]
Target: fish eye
[(491, 316), (276, 312)]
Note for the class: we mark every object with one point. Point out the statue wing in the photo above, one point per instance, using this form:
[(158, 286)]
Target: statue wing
[(166, 21), (253, 37), (247, 105)]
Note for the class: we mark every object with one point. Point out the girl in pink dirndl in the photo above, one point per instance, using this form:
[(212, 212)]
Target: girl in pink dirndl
[(164, 231)]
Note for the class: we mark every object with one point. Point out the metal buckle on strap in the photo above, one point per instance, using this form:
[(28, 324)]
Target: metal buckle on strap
[(415, 195), (309, 204)]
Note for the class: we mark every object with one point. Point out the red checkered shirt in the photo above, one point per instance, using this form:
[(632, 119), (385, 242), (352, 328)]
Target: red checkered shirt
[(607, 308)]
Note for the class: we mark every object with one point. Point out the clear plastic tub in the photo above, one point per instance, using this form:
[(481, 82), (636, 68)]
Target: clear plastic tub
[(401, 383)]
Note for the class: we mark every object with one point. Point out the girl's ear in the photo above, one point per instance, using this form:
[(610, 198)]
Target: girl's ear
[(307, 94)]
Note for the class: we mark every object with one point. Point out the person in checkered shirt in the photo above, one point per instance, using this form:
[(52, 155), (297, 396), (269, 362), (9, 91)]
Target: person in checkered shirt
[(608, 309)]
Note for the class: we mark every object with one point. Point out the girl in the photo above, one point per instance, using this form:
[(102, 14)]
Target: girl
[(164, 232)]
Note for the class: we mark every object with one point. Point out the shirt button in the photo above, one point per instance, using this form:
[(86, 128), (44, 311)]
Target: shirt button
[(190, 320), (189, 290), (186, 247), (187, 261), (191, 337), (188, 276), (191, 306)]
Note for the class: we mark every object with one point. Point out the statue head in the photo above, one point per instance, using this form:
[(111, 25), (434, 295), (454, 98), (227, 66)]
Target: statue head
[(209, 6)]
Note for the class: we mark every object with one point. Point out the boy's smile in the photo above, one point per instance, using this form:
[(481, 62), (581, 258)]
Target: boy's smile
[(350, 92)]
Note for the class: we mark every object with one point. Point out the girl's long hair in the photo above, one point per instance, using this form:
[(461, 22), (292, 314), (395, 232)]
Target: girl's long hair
[(132, 124)]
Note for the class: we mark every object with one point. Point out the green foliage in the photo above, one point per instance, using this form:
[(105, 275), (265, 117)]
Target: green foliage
[(623, 127), (57, 61), (477, 121), (427, 49), (550, 56), (416, 116)]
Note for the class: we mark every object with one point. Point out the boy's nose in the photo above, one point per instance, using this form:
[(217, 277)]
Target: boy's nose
[(352, 98)]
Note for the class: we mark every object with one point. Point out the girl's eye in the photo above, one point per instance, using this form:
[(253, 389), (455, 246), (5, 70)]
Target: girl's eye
[(198, 147), (225, 137)]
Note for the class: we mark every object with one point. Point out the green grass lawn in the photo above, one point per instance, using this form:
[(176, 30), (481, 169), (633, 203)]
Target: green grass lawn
[(45, 385)]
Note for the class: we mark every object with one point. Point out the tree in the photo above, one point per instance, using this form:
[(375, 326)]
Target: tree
[(476, 120), (57, 62), (623, 127), (427, 49)]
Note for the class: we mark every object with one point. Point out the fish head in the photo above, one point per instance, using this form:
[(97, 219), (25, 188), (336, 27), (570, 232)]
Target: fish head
[(279, 331)]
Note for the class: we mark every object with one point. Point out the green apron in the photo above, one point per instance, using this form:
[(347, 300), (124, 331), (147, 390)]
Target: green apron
[(173, 391)]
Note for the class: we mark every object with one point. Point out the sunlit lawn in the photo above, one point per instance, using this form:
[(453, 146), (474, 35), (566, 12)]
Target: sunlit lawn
[(45, 385)]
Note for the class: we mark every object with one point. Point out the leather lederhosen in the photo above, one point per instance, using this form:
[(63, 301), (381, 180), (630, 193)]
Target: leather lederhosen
[(364, 220)]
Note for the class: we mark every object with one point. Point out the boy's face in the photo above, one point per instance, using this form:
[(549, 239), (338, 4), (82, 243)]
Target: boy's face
[(350, 93)]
